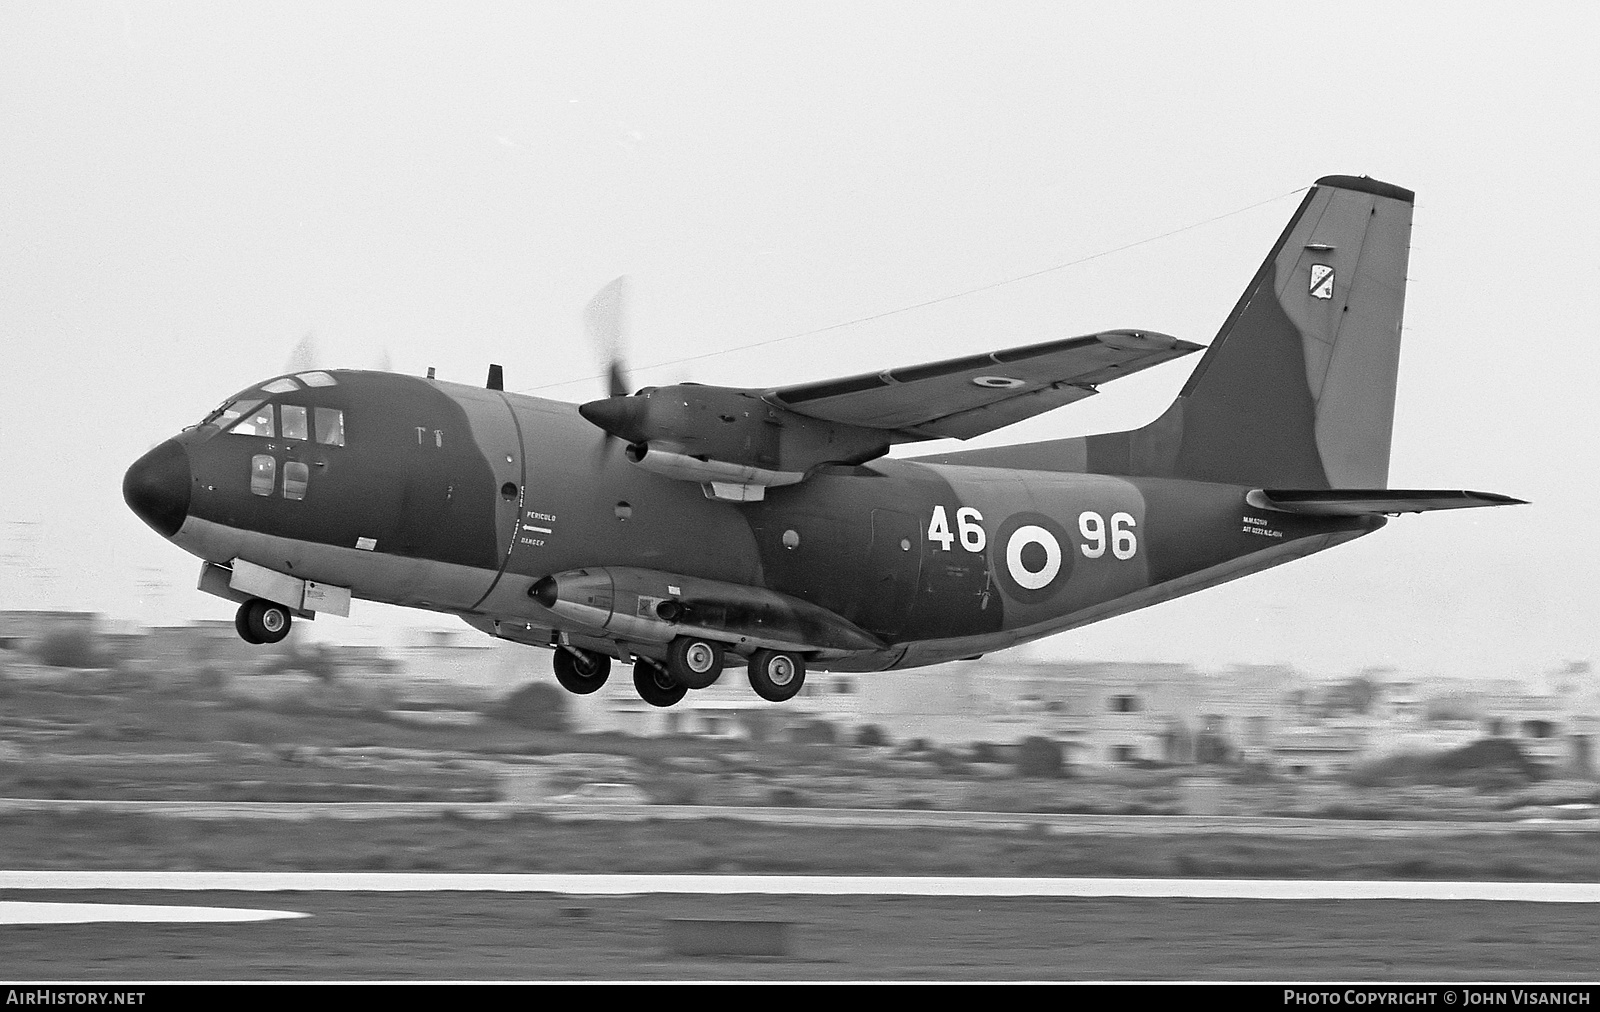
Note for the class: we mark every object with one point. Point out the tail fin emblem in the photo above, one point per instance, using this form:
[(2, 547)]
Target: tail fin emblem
[(1321, 281)]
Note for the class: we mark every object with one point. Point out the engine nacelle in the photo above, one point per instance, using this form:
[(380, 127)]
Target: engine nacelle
[(730, 441), (647, 606), (720, 479)]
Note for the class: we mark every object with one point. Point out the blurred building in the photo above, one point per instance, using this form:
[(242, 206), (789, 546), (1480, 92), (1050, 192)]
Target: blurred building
[(26, 631), (1103, 713)]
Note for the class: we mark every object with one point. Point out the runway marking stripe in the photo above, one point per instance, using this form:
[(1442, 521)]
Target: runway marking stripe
[(809, 885), (24, 912)]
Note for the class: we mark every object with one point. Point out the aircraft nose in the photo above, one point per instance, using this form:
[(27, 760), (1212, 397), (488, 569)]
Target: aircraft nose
[(156, 487)]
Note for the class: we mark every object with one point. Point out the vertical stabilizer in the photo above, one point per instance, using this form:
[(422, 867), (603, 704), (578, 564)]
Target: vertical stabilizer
[(1297, 389)]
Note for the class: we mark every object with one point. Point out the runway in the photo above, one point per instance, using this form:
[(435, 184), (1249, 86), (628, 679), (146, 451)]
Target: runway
[(1054, 823), (806, 885), (375, 926)]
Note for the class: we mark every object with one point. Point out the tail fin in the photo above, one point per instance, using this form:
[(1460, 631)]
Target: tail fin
[(1297, 389)]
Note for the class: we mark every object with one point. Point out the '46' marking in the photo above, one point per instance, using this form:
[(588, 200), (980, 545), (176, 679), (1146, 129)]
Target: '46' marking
[(968, 527)]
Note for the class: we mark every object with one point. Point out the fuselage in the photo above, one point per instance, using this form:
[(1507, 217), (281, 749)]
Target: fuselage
[(457, 499)]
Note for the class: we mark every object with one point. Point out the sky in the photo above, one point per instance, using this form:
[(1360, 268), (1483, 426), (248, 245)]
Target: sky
[(188, 191)]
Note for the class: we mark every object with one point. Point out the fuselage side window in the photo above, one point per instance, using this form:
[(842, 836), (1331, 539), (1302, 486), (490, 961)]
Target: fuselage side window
[(263, 473), (295, 476), (294, 422), (330, 426), (257, 423)]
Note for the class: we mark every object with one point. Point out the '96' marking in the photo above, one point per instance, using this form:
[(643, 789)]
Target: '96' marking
[(1124, 544)]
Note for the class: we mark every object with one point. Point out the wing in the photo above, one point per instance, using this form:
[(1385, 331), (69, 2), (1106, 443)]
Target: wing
[(963, 397)]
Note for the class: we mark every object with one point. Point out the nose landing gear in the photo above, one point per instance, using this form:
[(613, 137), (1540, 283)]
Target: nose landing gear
[(259, 621)]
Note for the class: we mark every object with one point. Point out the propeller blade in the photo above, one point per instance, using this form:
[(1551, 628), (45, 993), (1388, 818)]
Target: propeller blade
[(605, 321), (304, 355), (616, 380)]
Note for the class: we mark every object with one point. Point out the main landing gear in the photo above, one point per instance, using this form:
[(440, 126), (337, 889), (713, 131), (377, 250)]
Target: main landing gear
[(776, 675), (259, 621), (694, 662), (655, 684), (691, 663), (580, 671)]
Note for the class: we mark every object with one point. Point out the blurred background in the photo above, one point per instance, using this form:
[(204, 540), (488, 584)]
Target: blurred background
[(201, 196)]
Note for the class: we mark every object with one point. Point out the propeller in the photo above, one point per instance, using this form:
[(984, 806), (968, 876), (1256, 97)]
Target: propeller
[(605, 322), (304, 356), (605, 319)]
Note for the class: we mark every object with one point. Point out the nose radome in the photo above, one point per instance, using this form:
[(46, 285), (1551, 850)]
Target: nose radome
[(156, 487)]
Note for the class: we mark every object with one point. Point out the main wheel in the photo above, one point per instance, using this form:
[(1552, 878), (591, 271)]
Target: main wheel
[(241, 623), (268, 621), (580, 671), (775, 675), (694, 662), (654, 685)]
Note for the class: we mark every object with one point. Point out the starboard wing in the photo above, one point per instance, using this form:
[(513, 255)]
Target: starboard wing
[(963, 397)]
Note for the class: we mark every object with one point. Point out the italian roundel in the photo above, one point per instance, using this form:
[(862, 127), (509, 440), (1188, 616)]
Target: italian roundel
[(1032, 556)]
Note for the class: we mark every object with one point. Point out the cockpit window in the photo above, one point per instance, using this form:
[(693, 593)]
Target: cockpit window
[(295, 425), (330, 426), (229, 412), (282, 386), (257, 423), (316, 379)]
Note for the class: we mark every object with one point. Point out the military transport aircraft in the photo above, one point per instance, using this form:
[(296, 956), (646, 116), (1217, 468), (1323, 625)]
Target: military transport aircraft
[(686, 528)]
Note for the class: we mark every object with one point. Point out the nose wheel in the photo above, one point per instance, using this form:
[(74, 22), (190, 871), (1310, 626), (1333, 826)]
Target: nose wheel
[(259, 621)]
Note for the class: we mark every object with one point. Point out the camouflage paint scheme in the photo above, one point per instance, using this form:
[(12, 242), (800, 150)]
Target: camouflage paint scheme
[(471, 496)]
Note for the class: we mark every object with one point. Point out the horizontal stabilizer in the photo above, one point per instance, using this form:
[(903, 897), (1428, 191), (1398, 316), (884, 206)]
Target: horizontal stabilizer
[(1347, 502)]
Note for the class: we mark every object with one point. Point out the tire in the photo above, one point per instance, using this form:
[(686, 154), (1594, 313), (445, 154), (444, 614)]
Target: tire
[(582, 671), (775, 675), (241, 623), (693, 662), (269, 621), (654, 685)]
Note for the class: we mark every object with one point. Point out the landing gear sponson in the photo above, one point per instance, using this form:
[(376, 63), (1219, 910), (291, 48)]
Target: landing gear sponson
[(687, 617)]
